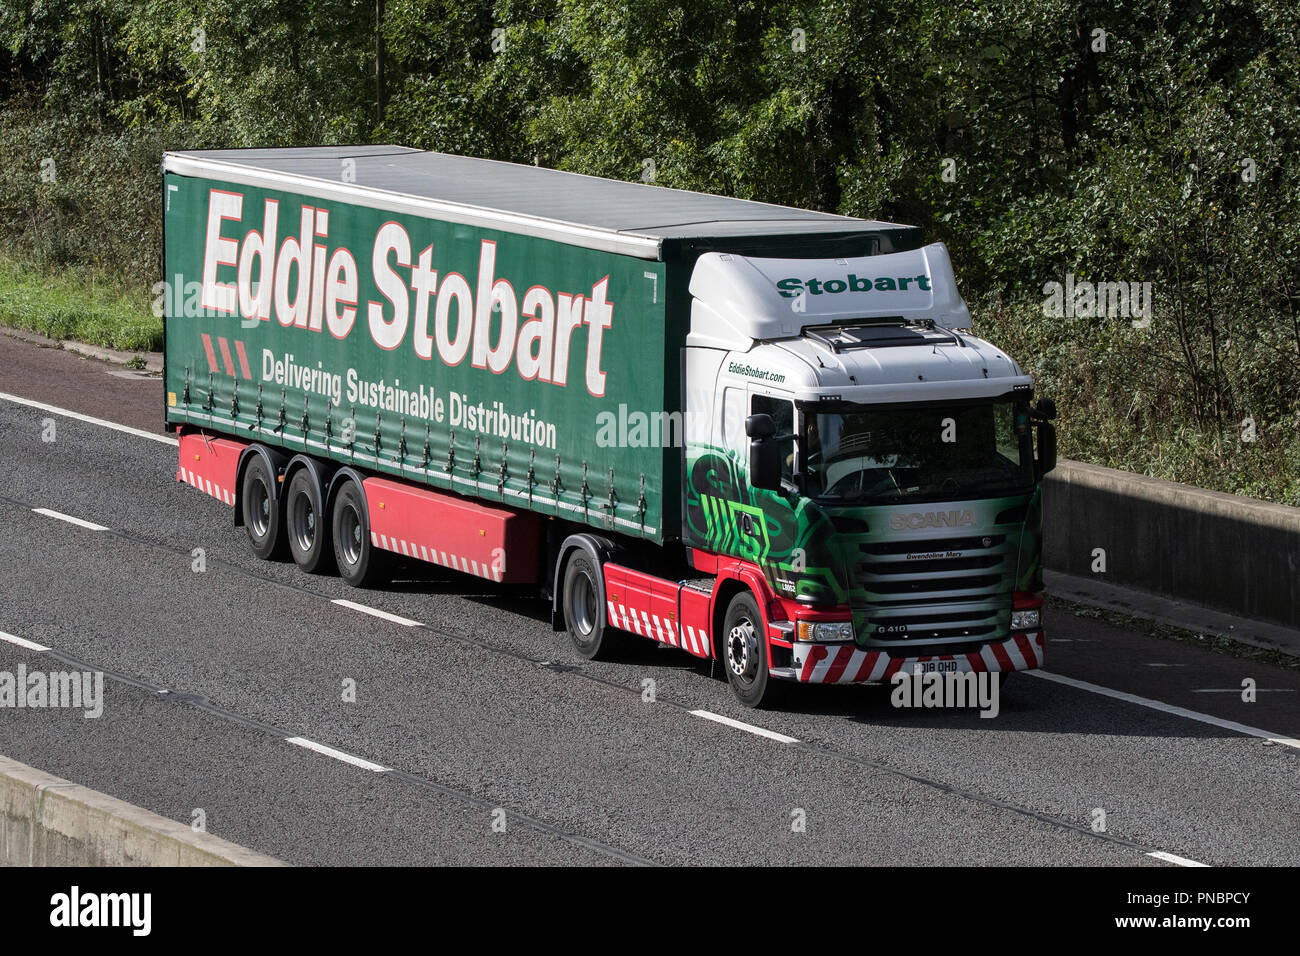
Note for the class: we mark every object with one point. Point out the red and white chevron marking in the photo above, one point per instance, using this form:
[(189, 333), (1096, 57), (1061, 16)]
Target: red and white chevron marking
[(224, 495), (659, 629), (226, 360), (493, 572), (847, 664)]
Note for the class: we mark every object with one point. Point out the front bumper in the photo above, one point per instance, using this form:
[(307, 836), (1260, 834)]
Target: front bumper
[(850, 664)]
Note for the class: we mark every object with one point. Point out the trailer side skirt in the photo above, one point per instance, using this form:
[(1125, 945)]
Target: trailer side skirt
[(495, 543)]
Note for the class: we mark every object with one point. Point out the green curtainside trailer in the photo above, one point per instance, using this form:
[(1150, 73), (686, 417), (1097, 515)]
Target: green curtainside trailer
[(371, 305)]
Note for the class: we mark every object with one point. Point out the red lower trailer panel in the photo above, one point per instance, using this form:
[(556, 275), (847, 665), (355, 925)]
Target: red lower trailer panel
[(498, 544), (210, 465)]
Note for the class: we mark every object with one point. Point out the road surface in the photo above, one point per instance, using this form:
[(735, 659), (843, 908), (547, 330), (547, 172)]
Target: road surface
[(477, 736)]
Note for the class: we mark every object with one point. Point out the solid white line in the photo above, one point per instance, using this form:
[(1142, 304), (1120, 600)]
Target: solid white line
[(138, 432), (1168, 708), (22, 642), (374, 612), (749, 728), (1176, 860), (336, 754), (79, 522)]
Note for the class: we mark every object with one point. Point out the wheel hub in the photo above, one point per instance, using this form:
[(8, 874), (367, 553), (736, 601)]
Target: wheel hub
[(260, 513), (304, 522), (742, 650), (351, 536), (582, 599)]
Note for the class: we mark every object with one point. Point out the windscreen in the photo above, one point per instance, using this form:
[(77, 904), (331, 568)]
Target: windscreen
[(922, 453)]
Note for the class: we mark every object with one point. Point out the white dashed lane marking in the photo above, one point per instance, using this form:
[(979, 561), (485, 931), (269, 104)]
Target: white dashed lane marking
[(79, 522), (23, 642), (375, 612), (336, 754), (748, 728), (1176, 860)]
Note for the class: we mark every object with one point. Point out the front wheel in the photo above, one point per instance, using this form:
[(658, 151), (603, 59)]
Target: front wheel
[(744, 651), (584, 604)]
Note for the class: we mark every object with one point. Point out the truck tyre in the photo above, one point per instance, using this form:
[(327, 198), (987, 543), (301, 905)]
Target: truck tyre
[(584, 606), (744, 652), (263, 515), (306, 525), (360, 564)]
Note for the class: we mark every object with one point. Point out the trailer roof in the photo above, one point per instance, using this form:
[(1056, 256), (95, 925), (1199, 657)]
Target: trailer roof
[(586, 210)]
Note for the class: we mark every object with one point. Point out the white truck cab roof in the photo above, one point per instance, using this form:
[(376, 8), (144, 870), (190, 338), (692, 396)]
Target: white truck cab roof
[(886, 328)]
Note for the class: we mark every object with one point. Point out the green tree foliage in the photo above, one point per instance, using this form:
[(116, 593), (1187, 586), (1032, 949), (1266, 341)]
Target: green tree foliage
[(1148, 141)]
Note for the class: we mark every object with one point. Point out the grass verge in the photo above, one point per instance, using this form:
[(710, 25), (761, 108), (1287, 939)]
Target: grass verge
[(68, 306)]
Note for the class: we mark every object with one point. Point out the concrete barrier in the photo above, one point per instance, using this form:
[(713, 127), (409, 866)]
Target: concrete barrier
[(1220, 551), (46, 821)]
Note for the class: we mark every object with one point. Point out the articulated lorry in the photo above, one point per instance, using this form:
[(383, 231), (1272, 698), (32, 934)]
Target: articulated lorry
[(763, 435)]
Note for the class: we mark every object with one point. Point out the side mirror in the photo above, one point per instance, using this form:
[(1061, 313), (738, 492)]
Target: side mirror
[(760, 426), (1046, 448), (1046, 409), (764, 462)]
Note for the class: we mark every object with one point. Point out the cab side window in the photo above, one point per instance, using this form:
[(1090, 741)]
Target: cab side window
[(782, 412)]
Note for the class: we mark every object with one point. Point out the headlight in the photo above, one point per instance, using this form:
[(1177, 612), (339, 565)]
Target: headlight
[(825, 631), (1028, 620)]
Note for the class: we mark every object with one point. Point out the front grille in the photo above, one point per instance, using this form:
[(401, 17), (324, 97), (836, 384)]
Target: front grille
[(939, 594), (936, 569), (932, 585)]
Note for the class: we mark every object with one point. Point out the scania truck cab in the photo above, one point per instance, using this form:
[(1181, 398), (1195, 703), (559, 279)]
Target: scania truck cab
[(852, 442)]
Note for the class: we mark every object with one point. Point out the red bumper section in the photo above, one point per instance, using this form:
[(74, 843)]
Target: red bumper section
[(849, 664)]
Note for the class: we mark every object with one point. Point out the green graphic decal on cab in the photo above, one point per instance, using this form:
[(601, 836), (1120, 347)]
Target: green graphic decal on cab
[(942, 570)]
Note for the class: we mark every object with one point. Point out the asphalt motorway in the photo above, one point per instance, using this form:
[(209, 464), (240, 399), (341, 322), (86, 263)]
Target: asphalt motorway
[(478, 736)]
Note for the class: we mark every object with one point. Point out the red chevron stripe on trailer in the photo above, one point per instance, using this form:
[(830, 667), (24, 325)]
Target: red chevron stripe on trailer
[(243, 360), (207, 348), (648, 606), (225, 355), (498, 544), (849, 664), (209, 464)]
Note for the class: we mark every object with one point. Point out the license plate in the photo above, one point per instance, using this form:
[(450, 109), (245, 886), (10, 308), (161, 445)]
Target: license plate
[(937, 667)]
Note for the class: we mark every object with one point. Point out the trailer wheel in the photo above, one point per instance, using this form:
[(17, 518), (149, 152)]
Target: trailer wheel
[(584, 603), (744, 652), (359, 562), (263, 517), (306, 524)]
